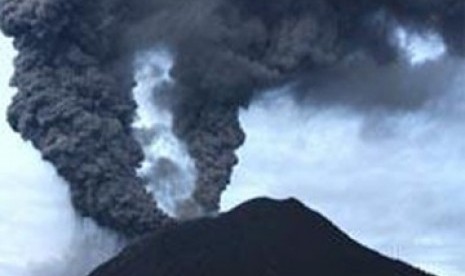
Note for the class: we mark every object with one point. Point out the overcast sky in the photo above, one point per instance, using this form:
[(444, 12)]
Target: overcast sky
[(395, 184), (402, 195)]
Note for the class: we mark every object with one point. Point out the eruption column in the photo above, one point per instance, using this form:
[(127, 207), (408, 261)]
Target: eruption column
[(74, 74), (74, 103)]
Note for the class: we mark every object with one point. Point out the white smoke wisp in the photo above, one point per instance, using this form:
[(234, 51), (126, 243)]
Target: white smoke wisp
[(420, 48), (88, 248), (167, 168), (40, 233)]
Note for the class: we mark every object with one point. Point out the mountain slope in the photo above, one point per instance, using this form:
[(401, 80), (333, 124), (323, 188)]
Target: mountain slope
[(262, 237)]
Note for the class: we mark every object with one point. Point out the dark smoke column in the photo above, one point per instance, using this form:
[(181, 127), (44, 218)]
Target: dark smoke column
[(212, 134), (228, 52), (74, 104)]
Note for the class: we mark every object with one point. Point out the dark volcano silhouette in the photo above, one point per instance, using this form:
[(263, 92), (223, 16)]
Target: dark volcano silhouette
[(260, 237)]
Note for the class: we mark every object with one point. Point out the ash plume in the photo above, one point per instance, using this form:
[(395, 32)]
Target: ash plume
[(227, 53), (74, 75), (74, 104)]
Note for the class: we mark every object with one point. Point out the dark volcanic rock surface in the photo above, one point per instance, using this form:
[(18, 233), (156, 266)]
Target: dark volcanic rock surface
[(261, 237)]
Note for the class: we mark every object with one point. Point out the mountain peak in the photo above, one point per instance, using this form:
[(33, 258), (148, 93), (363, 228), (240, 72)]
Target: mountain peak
[(262, 237)]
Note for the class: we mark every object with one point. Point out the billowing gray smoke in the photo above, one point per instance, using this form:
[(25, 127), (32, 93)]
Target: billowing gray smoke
[(74, 75), (74, 104), (227, 52)]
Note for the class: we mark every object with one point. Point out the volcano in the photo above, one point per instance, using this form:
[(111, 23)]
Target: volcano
[(262, 237)]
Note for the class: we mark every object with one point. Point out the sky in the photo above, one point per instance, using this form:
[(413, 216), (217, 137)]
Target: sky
[(394, 183), (402, 194)]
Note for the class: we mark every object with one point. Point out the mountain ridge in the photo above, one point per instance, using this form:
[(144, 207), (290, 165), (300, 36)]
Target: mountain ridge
[(262, 237)]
